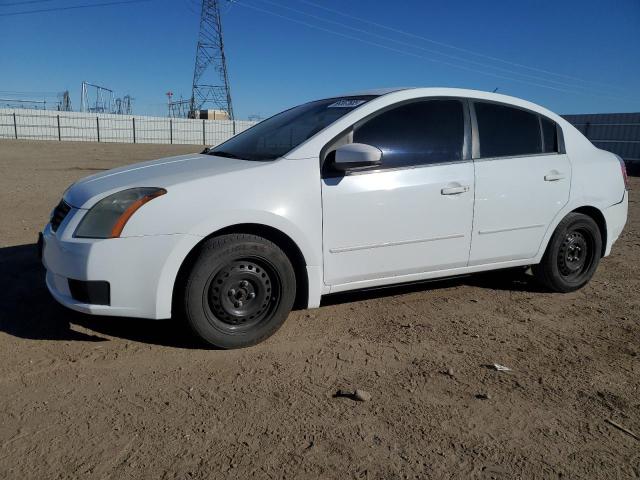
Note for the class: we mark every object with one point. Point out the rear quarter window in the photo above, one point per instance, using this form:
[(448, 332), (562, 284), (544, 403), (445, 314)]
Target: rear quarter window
[(549, 135)]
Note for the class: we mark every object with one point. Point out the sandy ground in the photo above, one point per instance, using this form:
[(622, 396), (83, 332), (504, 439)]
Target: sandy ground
[(85, 397)]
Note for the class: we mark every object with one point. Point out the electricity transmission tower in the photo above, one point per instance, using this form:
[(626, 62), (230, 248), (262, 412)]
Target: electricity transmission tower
[(64, 101), (211, 88), (103, 98), (124, 105)]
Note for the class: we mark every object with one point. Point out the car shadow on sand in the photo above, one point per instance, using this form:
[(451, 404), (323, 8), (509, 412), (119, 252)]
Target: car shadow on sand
[(28, 311)]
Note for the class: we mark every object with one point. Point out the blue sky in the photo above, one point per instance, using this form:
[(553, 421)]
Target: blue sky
[(145, 49)]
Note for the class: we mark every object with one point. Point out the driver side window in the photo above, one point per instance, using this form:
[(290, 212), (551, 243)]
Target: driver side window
[(417, 133)]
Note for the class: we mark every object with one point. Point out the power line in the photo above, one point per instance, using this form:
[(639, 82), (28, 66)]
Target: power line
[(16, 92), (10, 4), (419, 47), (229, 5), (192, 8), (57, 9), (413, 54), (442, 44)]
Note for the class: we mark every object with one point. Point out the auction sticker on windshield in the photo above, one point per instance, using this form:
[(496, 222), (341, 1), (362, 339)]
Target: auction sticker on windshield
[(346, 103)]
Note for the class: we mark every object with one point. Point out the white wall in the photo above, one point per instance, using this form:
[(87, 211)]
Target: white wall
[(84, 127)]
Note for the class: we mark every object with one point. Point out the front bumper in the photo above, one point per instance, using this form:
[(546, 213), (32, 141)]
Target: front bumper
[(140, 270)]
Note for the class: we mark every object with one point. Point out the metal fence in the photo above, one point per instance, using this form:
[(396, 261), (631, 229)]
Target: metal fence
[(86, 127), (616, 132)]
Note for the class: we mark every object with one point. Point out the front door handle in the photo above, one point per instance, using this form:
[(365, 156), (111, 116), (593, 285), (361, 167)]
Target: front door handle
[(553, 176), (455, 190)]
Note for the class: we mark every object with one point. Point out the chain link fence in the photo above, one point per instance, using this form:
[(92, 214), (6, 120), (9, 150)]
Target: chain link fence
[(86, 127)]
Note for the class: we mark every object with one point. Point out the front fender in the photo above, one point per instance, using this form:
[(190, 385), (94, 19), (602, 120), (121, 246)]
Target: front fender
[(226, 220), (229, 218)]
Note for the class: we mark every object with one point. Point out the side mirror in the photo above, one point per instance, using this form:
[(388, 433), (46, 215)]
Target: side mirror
[(356, 155)]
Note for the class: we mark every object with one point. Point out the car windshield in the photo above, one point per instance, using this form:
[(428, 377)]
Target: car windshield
[(278, 135)]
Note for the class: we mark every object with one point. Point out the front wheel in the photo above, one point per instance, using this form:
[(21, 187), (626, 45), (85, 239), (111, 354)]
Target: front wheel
[(239, 291), (572, 255)]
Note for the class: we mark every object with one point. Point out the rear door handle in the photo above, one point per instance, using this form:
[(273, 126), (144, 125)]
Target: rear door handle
[(553, 176), (455, 190)]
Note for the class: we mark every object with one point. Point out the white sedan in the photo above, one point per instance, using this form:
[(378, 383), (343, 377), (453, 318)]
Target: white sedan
[(344, 193)]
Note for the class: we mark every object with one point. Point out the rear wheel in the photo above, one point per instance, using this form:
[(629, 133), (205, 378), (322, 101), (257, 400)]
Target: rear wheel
[(572, 256), (239, 291)]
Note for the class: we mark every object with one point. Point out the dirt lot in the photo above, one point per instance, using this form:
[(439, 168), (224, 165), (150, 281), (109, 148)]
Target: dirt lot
[(85, 397)]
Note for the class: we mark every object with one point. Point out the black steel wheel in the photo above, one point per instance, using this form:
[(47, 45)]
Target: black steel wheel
[(241, 294), (573, 254), (239, 291), (576, 254)]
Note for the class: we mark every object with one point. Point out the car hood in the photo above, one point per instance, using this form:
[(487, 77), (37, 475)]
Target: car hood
[(164, 173)]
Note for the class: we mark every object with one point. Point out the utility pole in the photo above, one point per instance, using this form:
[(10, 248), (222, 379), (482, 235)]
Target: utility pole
[(178, 108), (211, 88), (169, 97)]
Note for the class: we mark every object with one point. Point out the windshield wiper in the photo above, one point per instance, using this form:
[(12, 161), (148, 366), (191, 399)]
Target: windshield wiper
[(221, 153)]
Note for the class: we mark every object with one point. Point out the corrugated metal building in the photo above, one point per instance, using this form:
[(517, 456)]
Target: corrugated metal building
[(616, 132)]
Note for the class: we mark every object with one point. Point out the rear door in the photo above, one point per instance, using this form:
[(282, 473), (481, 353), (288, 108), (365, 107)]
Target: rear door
[(413, 213), (523, 179)]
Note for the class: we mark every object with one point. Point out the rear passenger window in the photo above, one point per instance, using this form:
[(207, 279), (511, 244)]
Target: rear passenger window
[(549, 135), (507, 131), (416, 133)]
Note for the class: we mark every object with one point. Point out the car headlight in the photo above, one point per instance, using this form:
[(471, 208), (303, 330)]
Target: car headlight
[(107, 218)]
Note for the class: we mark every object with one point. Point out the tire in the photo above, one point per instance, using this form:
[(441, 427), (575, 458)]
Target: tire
[(239, 291), (572, 256)]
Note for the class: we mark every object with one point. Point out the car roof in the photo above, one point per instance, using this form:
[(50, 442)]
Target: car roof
[(416, 92), (435, 91), (374, 91)]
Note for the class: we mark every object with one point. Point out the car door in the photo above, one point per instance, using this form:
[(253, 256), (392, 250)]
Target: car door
[(523, 179), (411, 214)]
